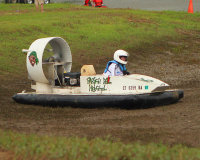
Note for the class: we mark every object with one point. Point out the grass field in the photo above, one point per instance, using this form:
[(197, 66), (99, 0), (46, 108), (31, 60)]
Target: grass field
[(93, 35), (73, 148)]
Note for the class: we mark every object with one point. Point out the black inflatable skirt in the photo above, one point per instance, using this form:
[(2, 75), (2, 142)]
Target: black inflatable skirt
[(92, 101)]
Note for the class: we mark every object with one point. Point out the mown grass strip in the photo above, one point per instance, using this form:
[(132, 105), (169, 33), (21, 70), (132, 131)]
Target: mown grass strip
[(93, 34), (73, 148)]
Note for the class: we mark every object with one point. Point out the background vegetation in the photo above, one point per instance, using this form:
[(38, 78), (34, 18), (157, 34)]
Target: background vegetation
[(93, 34), (73, 148)]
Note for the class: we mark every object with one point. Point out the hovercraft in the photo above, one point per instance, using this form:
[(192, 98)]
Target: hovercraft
[(55, 85)]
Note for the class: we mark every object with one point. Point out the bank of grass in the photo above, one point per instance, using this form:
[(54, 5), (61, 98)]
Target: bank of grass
[(73, 148), (93, 34)]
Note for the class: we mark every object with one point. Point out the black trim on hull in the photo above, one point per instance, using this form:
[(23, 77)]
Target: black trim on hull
[(92, 101)]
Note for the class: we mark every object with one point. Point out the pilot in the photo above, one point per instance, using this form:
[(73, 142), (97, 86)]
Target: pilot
[(117, 66)]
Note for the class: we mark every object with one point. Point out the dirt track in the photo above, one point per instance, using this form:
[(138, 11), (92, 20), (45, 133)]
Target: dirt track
[(172, 124)]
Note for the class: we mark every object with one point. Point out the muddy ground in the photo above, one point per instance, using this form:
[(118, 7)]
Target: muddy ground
[(177, 123)]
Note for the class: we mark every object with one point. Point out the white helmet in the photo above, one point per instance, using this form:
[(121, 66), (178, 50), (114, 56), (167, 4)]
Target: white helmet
[(120, 53)]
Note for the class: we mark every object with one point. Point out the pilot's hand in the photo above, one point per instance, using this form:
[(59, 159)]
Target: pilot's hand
[(126, 73)]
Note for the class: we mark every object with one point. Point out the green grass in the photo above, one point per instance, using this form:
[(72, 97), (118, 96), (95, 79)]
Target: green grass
[(73, 148), (91, 33)]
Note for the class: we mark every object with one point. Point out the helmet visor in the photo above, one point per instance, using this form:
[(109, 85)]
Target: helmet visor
[(123, 58)]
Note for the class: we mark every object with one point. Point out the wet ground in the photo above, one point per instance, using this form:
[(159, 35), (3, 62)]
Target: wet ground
[(175, 5), (158, 5)]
